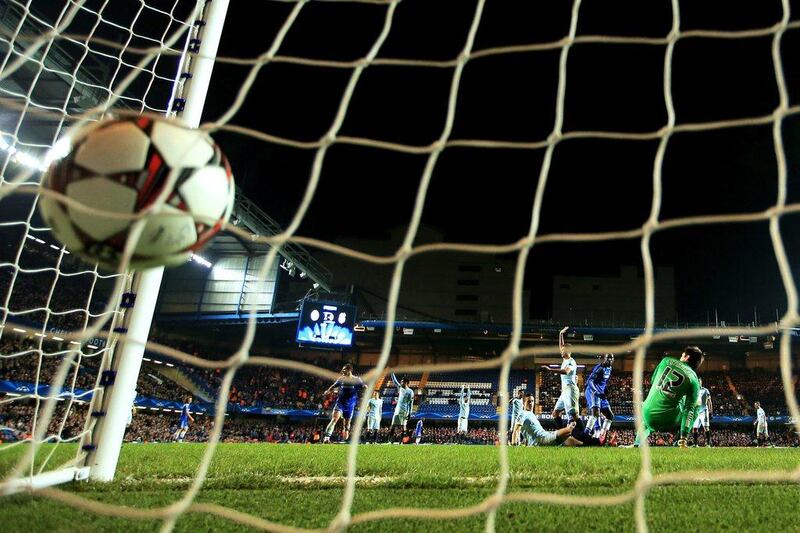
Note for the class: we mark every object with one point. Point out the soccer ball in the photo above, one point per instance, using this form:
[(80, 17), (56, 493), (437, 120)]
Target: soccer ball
[(121, 166)]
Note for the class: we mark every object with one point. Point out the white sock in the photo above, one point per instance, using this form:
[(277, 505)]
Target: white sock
[(329, 429), (606, 427)]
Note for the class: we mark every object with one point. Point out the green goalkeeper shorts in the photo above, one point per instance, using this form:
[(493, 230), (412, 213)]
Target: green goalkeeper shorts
[(662, 420)]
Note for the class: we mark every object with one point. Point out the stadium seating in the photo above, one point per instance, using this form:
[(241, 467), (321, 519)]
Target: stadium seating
[(733, 392), (443, 390)]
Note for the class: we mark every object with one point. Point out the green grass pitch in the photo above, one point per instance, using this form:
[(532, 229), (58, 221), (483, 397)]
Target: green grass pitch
[(302, 486)]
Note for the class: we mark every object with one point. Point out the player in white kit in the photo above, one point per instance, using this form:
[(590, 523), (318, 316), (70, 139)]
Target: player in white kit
[(463, 411), (568, 401), (703, 420), (536, 435), (402, 411), (374, 413), (516, 417), (762, 432)]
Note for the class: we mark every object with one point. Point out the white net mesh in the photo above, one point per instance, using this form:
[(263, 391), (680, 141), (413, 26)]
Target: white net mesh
[(57, 33), (51, 303)]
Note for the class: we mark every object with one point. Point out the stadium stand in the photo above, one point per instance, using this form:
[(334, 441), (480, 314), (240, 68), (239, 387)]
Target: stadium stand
[(443, 390), (733, 392)]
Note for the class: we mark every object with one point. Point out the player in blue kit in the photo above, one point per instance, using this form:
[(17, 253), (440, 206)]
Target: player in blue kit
[(183, 422), (349, 387), (595, 393), (418, 432)]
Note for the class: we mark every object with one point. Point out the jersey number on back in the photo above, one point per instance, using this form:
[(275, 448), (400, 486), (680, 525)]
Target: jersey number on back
[(670, 380)]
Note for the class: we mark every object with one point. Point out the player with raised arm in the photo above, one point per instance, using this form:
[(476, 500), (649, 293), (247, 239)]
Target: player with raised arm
[(568, 401), (536, 435), (762, 432), (183, 422), (346, 400), (516, 417), (704, 408), (595, 393), (671, 404), (463, 412), (374, 413), (402, 411)]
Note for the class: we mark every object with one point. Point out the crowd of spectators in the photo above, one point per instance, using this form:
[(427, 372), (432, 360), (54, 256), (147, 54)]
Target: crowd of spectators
[(17, 420), (259, 386), (763, 386), (69, 298), (25, 364), (155, 427), (729, 438), (268, 387), (28, 360)]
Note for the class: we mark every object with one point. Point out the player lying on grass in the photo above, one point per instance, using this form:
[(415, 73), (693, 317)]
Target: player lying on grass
[(595, 393), (568, 401), (346, 400), (183, 422), (402, 411), (671, 404), (536, 435)]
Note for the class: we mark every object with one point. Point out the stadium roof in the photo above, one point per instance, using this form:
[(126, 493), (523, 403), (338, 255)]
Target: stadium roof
[(248, 215)]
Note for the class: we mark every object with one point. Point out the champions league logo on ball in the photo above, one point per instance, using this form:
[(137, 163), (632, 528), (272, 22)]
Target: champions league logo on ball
[(326, 323)]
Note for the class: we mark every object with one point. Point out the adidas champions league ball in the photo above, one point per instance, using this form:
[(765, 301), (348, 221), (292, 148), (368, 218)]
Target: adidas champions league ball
[(122, 166)]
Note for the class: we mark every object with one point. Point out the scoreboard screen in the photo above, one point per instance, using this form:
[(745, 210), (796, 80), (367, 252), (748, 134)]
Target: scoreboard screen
[(327, 324)]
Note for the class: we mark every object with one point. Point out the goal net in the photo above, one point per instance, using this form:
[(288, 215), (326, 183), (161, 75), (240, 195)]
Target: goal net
[(65, 62), (82, 57)]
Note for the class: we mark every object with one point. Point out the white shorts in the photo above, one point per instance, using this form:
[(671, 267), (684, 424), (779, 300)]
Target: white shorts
[(462, 425), (761, 429), (373, 423), (400, 419), (534, 432), (702, 420), (568, 401)]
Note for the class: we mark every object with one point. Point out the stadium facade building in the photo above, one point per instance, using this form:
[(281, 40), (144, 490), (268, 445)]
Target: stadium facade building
[(437, 286), (615, 300)]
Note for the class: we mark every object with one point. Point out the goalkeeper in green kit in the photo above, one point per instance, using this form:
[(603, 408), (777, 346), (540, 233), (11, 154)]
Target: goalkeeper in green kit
[(671, 404)]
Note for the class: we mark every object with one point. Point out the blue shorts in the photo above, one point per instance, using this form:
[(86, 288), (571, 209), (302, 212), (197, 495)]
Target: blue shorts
[(346, 408), (596, 398), (184, 423)]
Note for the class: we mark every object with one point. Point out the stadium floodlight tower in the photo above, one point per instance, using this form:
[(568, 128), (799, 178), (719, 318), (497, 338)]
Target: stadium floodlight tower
[(196, 68)]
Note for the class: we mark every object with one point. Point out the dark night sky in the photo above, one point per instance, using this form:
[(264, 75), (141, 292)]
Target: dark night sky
[(485, 196)]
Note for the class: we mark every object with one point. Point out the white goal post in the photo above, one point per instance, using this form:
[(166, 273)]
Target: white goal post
[(113, 394), (110, 430)]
